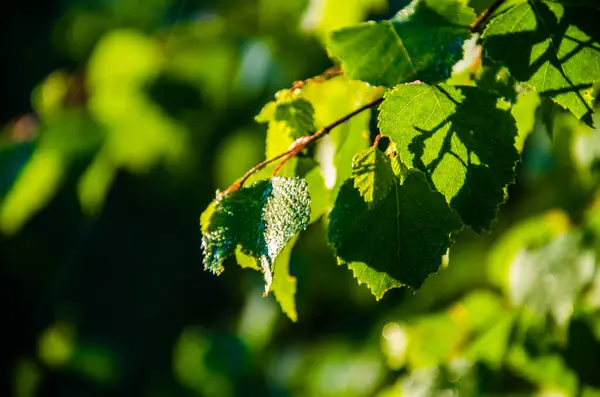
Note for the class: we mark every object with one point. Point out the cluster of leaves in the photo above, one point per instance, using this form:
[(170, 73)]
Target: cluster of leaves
[(453, 138)]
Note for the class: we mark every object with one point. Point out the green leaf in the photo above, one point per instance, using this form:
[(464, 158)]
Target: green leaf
[(332, 100), (289, 118), (321, 17), (549, 280), (548, 370), (278, 140), (284, 284), (552, 47), (320, 196), (398, 242), (461, 137), (261, 218), (298, 116), (423, 41), (61, 144), (373, 175), (524, 112), (490, 347), (294, 113)]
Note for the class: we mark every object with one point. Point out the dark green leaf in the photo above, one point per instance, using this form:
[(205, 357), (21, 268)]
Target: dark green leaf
[(461, 137), (398, 242), (423, 41), (261, 219), (554, 48)]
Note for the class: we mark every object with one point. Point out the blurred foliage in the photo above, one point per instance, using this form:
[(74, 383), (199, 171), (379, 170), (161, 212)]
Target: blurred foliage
[(122, 120)]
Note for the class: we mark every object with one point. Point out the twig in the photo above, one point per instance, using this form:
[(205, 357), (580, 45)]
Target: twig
[(296, 147), (326, 75), (483, 17), (376, 140)]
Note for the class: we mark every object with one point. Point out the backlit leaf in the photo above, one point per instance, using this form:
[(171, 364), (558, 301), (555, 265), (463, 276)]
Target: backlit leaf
[(461, 137), (261, 218), (423, 41), (373, 175), (289, 118), (553, 47), (398, 242)]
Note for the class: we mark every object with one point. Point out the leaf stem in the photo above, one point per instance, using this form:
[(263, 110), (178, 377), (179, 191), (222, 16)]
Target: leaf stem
[(484, 16), (296, 147)]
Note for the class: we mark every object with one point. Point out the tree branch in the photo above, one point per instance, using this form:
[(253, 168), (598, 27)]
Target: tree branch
[(296, 147), (481, 20), (326, 75), (301, 143)]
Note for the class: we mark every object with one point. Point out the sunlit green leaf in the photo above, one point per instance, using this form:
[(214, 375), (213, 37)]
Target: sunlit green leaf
[(323, 16), (524, 112), (320, 196), (289, 117), (490, 347), (554, 48), (261, 218), (298, 115), (400, 241), (332, 100), (284, 284), (548, 280), (549, 371), (532, 233), (423, 41), (373, 175), (66, 136), (461, 137)]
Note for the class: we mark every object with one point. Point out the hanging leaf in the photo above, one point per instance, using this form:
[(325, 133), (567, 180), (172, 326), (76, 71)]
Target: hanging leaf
[(298, 115), (289, 118), (373, 175), (461, 137), (332, 100), (423, 41), (398, 242), (524, 112), (284, 284), (261, 219), (553, 47)]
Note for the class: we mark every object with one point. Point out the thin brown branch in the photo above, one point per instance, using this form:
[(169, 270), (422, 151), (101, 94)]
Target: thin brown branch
[(482, 19), (376, 140), (326, 75), (296, 147)]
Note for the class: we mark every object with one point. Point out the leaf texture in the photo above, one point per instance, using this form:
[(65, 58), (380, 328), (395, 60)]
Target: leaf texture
[(423, 41), (398, 242), (553, 47), (261, 219), (461, 137), (289, 118), (373, 175)]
